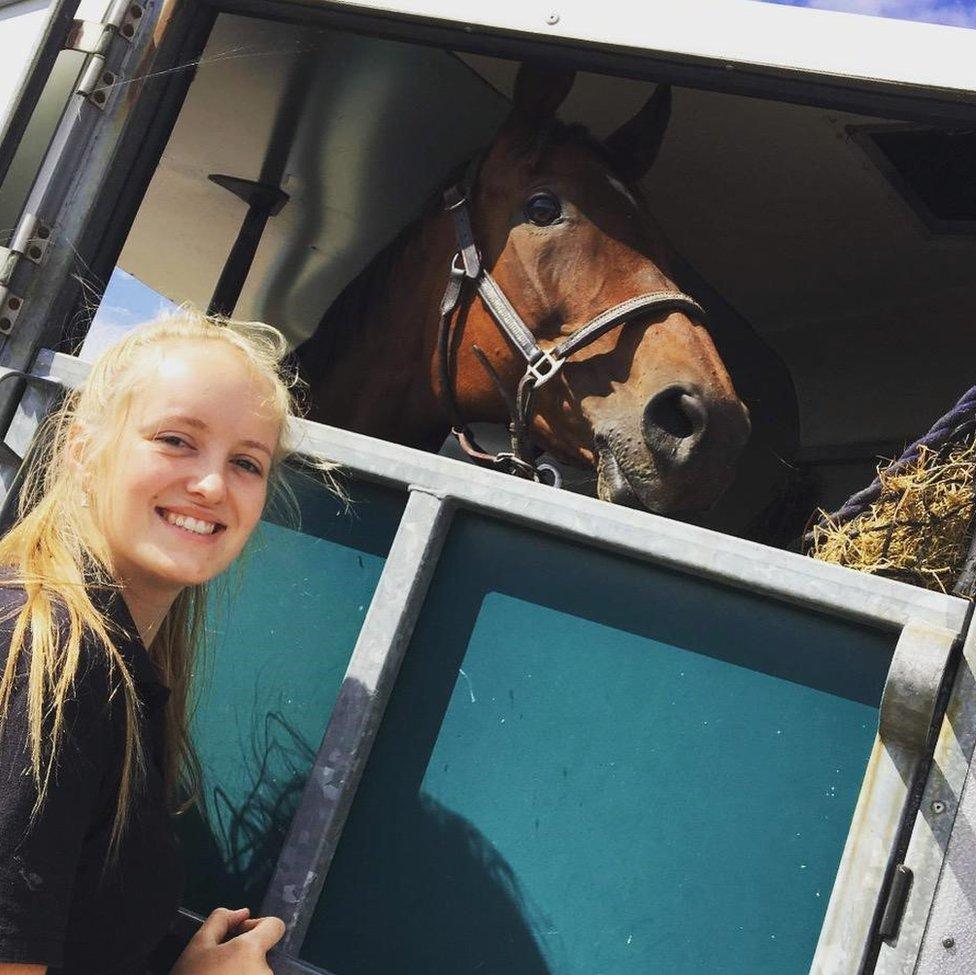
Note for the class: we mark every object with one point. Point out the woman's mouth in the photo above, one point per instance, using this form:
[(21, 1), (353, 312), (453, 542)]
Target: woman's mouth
[(193, 526)]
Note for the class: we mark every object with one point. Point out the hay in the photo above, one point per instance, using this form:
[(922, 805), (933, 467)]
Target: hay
[(918, 530)]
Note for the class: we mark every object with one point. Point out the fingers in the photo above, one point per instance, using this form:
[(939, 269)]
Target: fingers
[(266, 932), (221, 924)]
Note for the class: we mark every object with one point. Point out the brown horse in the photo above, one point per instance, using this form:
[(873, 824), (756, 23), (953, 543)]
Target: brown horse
[(648, 404)]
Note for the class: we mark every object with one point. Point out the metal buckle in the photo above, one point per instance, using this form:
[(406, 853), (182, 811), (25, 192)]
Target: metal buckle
[(544, 368), (517, 466), (461, 200)]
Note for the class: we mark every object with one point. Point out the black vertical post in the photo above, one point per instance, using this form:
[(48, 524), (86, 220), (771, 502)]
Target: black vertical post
[(263, 201)]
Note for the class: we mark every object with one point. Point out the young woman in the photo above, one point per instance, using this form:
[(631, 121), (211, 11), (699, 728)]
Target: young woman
[(158, 471)]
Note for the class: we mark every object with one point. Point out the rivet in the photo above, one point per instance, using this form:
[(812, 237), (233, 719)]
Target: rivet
[(43, 233), (128, 30), (135, 11), (5, 324), (949, 942), (33, 252), (938, 806), (553, 18), (13, 303), (98, 97), (108, 78)]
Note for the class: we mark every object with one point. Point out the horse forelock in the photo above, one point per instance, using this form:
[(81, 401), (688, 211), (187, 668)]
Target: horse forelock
[(533, 147)]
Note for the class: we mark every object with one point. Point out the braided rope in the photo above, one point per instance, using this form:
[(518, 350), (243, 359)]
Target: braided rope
[(950, 428)]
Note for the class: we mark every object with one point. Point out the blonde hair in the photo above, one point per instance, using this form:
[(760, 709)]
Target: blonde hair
[(55, 552)]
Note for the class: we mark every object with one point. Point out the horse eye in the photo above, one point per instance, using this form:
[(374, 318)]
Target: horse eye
[(542, 209)]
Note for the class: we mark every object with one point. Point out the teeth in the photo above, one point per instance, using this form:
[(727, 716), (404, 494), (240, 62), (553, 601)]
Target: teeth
[(190, 524)]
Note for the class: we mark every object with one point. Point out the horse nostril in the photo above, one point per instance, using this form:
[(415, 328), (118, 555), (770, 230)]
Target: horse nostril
[(677, 411)]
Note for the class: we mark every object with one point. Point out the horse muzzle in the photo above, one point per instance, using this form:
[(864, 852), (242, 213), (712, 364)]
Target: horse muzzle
[(680, 459)]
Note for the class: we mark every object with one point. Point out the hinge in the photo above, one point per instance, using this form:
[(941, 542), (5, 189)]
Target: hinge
[(94, 38), (29, 243)]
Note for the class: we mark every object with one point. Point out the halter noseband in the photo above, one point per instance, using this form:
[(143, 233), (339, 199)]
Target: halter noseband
[(541, 364)]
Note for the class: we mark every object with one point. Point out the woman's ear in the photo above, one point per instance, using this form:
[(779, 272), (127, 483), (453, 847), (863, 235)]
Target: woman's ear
[(78, 445)]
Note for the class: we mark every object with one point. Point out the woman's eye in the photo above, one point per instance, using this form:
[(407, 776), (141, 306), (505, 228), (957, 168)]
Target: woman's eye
[(172, 439), (542, 209), (248, 465)]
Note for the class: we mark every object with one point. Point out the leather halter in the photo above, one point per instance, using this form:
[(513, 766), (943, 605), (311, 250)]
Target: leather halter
[(541, 364)]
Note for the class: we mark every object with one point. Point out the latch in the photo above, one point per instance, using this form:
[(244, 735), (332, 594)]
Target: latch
[(28, 244), (901, 884), (95, 38)]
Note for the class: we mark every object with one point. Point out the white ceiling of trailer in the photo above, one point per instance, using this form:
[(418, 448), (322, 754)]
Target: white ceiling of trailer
[(774, 204)]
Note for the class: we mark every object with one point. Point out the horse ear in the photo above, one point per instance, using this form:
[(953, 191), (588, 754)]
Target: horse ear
[(636, 143), (540, 89)]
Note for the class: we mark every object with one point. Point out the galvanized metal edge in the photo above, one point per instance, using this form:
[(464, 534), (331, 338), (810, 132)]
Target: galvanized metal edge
[(71, 176), (334, 777), (699, 551), (283, 965), (187, 924), (854, 901), (853, 50), (938, 816)]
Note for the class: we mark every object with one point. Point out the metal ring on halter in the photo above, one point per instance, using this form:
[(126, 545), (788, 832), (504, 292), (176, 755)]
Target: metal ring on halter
[(556, 478), (551, 364)]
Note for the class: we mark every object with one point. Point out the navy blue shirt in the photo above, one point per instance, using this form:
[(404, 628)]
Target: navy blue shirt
[(64, 902)]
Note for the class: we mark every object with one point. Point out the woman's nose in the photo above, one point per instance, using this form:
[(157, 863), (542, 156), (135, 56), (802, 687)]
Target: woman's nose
[(210, 486)]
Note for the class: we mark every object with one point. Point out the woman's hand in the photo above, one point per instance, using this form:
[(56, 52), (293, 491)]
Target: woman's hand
[(230, 943)]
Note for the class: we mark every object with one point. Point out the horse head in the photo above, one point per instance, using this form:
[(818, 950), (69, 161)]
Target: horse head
[(566, 235)]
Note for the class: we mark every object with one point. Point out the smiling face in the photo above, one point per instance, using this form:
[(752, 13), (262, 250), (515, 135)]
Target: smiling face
[(188, 474)]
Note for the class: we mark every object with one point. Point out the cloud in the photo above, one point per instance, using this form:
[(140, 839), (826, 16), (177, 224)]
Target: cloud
[(127, 302), (953, 13)]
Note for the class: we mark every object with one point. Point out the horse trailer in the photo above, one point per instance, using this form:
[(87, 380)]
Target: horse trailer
[(635, 744)]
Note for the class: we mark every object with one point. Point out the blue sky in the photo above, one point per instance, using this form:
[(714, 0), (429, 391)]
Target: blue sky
[(127, 302), (954, 13)]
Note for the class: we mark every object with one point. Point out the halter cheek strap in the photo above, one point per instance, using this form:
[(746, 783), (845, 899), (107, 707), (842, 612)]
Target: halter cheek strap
[(541, 364)]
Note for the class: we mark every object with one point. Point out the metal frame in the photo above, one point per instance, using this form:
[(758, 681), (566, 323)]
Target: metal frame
[(85, 188), (734, 35), (75, 195), (940, 809), (929, 626), (60, 15), (452, 30)]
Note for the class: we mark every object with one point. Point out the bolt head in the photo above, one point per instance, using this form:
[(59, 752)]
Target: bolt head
[(949, 942), (553, 18), (938, 806)]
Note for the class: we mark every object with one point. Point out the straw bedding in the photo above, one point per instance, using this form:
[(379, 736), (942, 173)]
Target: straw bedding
[(919, 528)]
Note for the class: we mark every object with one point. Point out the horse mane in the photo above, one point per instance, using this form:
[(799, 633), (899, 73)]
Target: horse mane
[(341, 323)]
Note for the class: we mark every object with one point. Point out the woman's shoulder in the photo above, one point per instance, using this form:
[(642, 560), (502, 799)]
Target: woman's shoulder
[(13, 598)]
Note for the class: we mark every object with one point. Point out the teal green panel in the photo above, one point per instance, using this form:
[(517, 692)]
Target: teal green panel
[(284, 633), (593, 766)]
